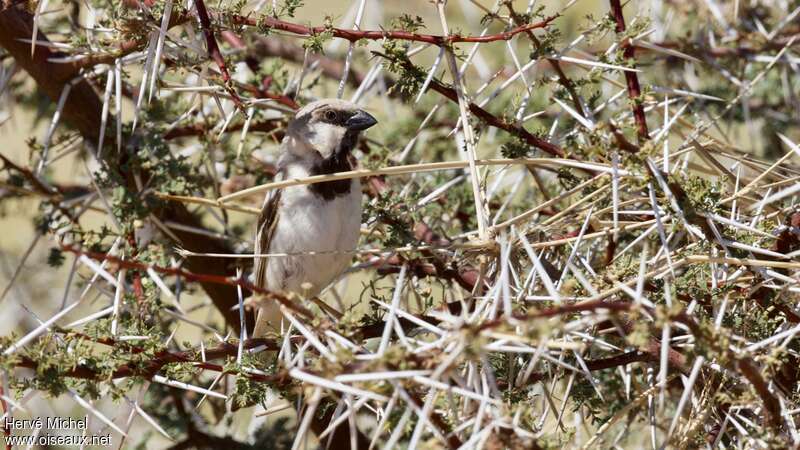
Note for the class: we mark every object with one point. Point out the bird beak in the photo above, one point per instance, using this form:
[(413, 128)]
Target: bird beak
[(360, 121)]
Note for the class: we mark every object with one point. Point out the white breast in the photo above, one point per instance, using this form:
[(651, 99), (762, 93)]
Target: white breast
[(309, 223)]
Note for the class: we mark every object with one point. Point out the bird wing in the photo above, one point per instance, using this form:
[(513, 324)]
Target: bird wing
[(267, 222), (265, 230)]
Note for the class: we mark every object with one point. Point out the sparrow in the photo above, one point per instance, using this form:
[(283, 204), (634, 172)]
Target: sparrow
[(322, 218)]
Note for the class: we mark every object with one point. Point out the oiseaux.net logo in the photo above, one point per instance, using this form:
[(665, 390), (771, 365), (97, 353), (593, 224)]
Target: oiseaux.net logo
[(41, 432)]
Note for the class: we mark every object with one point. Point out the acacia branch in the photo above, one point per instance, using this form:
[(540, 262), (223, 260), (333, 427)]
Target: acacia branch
[(151, 367), (634, 90), (213, 49), (484, 115), (772, 405), (270, 22), (203, 278), (622, 359), (377, 35)]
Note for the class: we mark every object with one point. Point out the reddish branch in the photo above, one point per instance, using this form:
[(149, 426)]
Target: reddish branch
[(487, 117), (54, 192), (213, 49), (28, 175), (622, 142), (497, 122), (466, 276), (634, 90), (356, 35), (259, 91), (151, 367), (270, 22), (568, 308), (622, 359), (430, 265), (772, 405), (197, 277)]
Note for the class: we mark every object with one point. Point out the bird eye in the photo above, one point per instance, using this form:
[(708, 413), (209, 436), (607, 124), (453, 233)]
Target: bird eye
[(330, 115)]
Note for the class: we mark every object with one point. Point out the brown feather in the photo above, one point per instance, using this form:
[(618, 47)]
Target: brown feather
[(265, 229)]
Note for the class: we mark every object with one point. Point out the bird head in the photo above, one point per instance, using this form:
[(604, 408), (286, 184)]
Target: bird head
[(329, 127)]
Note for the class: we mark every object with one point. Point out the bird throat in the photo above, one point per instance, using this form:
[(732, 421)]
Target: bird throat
[(337, 162)]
